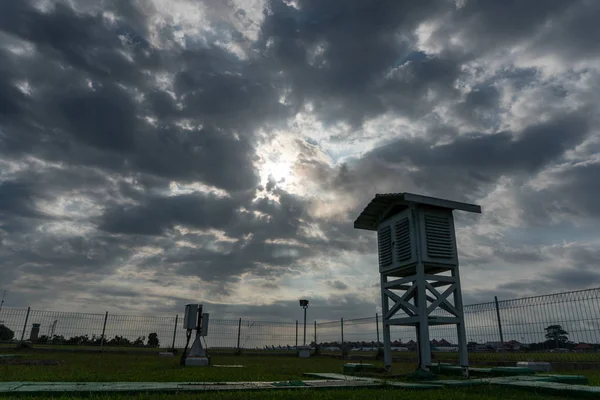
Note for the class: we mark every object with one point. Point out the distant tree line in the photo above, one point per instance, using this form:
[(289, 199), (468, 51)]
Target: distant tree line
[(556, 338), (6, 334)]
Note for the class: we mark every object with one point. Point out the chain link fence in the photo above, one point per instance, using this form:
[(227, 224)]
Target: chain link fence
[(556, 327), (563, 326), (52, 328)]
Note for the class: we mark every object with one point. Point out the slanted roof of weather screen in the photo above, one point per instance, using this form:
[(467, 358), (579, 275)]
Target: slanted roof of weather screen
[(373, 212)]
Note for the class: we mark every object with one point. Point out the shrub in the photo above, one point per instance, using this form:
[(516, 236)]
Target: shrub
[(6, 333)]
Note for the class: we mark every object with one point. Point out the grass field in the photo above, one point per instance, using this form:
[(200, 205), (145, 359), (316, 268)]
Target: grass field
[(407, 356), (487, 393), (143, 367), (495, 356)]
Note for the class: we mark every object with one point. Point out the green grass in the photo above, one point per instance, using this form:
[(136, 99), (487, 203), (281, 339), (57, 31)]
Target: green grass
[(408, 356), (108, 367), (487, 393), (491, 357), (4, 347), (142, 367)]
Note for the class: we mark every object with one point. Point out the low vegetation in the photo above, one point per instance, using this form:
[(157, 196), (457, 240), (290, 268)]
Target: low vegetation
[(77, 367)]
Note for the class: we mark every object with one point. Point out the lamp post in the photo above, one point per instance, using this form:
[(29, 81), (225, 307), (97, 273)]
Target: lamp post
[(304, 305)]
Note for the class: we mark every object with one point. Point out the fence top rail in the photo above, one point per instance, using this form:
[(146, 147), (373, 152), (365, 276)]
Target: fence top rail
[(359, 320), (31, 310), (335, 322), (479, 306), (253, 321), (566, 297)]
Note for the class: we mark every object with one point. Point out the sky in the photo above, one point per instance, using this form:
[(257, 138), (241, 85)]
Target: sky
[(157, 153)]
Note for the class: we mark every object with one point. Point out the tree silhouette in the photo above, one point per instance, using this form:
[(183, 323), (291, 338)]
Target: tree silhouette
[(557, 334), (139, 341), (153, 340), (119, 341), (6, 333)]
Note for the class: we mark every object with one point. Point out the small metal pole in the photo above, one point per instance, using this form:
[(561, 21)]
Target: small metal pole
[(25, 324), (342, 326), (377, 326), (305, 327), (239, 333), (296, 334), (500, 328), (175, 332), (2, 302), (103, 332), (315, 334)]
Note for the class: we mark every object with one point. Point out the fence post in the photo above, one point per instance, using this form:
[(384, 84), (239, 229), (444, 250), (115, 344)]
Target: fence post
[(342, 347), (175, 332), (25, 324), (500, 328), (239, 333), (296, 334), (103, 332), (377, 326)]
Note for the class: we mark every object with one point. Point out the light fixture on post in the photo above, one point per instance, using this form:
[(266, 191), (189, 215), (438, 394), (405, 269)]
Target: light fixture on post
[(304, 305), (305, 351)]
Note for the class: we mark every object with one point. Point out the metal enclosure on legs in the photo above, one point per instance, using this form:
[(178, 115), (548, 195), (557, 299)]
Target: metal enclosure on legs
[(418, 266)]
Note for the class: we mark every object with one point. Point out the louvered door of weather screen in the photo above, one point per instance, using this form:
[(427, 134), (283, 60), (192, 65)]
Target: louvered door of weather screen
[(396, 244), (438, 238)]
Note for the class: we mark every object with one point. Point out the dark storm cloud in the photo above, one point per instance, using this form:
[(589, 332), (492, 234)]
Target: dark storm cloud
[(518, 255), (406, 91), (322, 308), (17, 199), (83, 42), (555, 282), (41, 263), (480, 106), (90, 90), (576, 193), (120, 293), (249, 254), (222, 268), (55, 256), (572, 279), (11, 99), (573, 268), (572, 36), (157, 214), (91, 86), (493, 154), (220, 90), (488, 25), (463, 169), (269, 286), (212, 155), (256, 249), (20, 197), (337, 285), (209, 211), (352, 53), (104, 119)]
